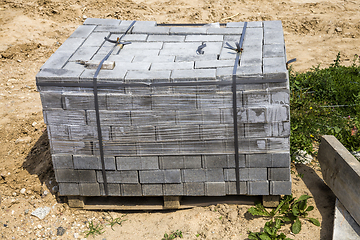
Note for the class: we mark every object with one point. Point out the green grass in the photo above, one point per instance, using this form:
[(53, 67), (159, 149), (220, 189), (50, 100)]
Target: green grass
[(325, 102)]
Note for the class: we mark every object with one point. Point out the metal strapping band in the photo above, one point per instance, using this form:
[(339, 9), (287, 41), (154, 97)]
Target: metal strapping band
[(236, 137), (96, 103)]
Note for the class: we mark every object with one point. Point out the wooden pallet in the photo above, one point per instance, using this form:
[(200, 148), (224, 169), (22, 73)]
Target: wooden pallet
[(157, 203)]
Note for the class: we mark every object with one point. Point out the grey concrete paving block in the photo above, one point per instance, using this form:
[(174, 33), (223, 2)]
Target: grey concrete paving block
[(215, 161), (70, 147), (96, 39), (82, 31), (214, 175), (215, 189), (69, 189), (258, 188), (194, 74), (101, 21), (58, 75), (194, 189), (187, 30), (280, 187), (131, 190), (177, 102), (214, 64), (273, 36), (257, 114), (274, 50), (152, 176), (230, 188), (231, 160), (77, 100), (113, 189), (152, 190), (86, 176), (261, 160), (279, 96), (62, 161), (278, 113), (149, 162), (227, 31), (166, 38), (51, 99), (268, 25), (235, 24), (151, 30), (229, 174), (193, 175), (128, 163), (84, 53), (148, 76), (108, 117), (281, 129), (66, 175), (61, 132), (249, 70), (172, 65), (192, 162), (200, 57), (154, 59), (172, 176), (256, 98), (89, 189), (118, 176), (258, 130), (173, 189), (204, 38), (280, 160), (135, 37), (171, 162), (60, 58), (279, 144), (279, 174), (144, 45), (86, 162)]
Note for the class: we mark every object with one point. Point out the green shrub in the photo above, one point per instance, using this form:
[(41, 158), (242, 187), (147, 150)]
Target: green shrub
[(325, 102)]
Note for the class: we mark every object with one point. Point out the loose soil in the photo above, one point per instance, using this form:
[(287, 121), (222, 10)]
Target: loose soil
[(30, 31)]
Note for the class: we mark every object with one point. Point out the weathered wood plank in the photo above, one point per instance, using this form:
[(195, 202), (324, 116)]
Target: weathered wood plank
[(341, 172)]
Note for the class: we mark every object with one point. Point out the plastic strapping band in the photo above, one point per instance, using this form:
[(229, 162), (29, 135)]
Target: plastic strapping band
[(96, 103), (236, 137)]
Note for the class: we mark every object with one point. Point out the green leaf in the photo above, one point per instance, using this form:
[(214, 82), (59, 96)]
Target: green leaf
[(285, 219), (296, 227), (253, 236), (303, 198), (295, 210), (258, 210), (264, 236), (314, 221), (310, 208), (302, 205)]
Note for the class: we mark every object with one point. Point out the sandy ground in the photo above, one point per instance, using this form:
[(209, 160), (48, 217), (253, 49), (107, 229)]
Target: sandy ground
[(30, 31)]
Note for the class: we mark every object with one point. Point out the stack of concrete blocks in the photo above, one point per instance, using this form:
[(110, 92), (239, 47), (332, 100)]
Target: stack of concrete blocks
[(169, 140)]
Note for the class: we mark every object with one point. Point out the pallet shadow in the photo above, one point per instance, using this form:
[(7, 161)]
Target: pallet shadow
[(38, 162), (323, 196)]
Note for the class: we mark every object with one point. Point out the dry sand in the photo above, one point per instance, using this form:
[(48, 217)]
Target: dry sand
[(30, 31)]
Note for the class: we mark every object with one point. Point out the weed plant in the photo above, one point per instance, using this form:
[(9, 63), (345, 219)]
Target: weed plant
[(325, 102), (94, 230)]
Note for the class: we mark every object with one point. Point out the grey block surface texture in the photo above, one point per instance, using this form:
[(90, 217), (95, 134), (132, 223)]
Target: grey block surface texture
[(165, 110)]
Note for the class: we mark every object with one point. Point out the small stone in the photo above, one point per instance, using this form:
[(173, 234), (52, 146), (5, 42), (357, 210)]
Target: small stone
[(84, 17), (34, 124), (41, 212), (60, 231), (26, 211), (76, 235), (45, 192), (19, 60), (14, 194), (55, 189), (23, 190), (338, 29)]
